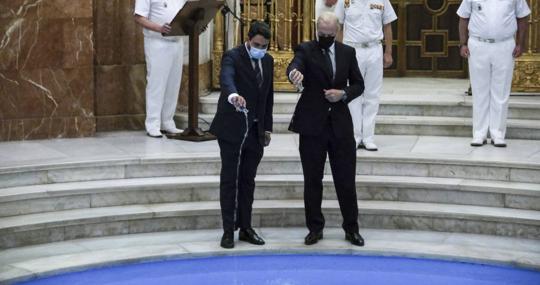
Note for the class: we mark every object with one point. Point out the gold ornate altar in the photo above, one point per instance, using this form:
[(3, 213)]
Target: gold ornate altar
[(291, 22), (527, 71), (426, 39)]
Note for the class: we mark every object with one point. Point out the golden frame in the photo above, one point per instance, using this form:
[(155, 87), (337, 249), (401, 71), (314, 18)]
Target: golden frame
[(526, 73), (427, 33)]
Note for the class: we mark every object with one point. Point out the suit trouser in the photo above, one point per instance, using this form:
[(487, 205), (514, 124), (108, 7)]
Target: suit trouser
[(342, 154), (491, 66), (364, 109), (252, 152), (164, 60)]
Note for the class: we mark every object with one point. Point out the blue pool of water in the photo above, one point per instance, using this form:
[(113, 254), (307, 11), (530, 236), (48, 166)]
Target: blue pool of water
[(298, 270)]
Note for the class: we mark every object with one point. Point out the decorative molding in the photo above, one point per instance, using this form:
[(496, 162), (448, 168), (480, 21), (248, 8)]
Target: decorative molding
[(281, 62), (527, 74)]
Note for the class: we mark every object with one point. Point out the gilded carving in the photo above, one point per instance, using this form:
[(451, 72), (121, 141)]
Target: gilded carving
[(291, 22), (281, 62), (283, 13), (527, 70), (527, 74), (216, 69)]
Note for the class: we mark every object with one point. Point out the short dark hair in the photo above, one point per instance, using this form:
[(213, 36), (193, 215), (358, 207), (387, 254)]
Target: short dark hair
[(259, 28)]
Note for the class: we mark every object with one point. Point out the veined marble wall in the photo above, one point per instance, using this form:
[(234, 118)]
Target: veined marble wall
[(46, 69), (69, 68), (119, 66), (121, 69)]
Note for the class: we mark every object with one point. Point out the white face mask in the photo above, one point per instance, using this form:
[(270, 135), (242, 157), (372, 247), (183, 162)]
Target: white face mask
[(257, 53)]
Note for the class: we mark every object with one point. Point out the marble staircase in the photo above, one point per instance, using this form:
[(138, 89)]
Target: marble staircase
[(56, 202), (121, 186), (411, 106)]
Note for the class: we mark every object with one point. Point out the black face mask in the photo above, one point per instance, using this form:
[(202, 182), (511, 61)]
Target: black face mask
[(326, 42)]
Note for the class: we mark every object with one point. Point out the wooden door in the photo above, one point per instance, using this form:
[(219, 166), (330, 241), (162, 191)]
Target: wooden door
[(426, 39)]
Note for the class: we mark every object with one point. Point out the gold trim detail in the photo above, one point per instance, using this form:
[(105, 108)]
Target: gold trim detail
[(527, 74), (293, 21), (527, 68)]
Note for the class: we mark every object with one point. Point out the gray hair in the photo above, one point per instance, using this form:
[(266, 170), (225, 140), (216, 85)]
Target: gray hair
[(328, 18)]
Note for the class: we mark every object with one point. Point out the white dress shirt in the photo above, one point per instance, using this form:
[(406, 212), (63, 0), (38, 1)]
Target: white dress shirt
[(363, 20), (493, 19), (159, 12)]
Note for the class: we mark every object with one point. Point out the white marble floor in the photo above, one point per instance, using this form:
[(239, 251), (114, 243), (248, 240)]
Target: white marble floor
[(136, 144)]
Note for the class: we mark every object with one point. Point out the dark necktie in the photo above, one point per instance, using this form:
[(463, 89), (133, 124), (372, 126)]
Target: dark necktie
[(326, 53), (258, 74)]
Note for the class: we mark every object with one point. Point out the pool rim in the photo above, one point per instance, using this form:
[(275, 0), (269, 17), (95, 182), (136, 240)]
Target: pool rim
[(353, 251)]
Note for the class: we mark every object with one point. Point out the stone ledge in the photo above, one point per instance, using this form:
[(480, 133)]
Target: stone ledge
[(450, 99), (65, 225), (407, 125), (398, 120), (131, 166), (45, 260), (106, 193)]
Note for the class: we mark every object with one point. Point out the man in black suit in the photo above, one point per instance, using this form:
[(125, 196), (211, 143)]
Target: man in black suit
[(243, 124), (322, 69)]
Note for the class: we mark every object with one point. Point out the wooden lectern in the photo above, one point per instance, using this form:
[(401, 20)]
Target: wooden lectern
[(192, 20)]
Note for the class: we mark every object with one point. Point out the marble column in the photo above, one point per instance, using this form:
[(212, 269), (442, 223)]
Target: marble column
[(69, 68), (120, 67), (46, 69)]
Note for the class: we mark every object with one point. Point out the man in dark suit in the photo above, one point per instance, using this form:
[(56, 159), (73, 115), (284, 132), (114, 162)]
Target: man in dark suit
[(243, 124), (322, 69)]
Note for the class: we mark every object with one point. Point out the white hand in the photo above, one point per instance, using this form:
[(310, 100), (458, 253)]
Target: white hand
[(238, 102), (296, 77)]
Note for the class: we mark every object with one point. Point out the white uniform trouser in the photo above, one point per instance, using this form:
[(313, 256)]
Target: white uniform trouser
[(364, 108), (491, 66), (164, 59)]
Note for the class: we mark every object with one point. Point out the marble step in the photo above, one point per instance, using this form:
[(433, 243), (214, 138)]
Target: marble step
[(405, 125), (447, 104), (274, 163), (57, 226), (21, 264), (33, 199)]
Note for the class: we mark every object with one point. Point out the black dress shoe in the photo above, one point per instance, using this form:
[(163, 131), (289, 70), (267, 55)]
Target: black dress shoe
[(249, 235), (478, 143), (154, 136), (313, 238), (498, 144), (227, 240), (355, 238)]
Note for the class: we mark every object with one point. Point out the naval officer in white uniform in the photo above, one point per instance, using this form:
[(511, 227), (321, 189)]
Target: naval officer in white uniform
[(365, 24), (487, 31), (164, 60), (323, 6)]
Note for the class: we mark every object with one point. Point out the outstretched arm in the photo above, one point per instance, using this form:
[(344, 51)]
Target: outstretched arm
[(298, 62)]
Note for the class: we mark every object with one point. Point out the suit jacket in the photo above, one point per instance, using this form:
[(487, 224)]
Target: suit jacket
[(313, 109), (238, 76)]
